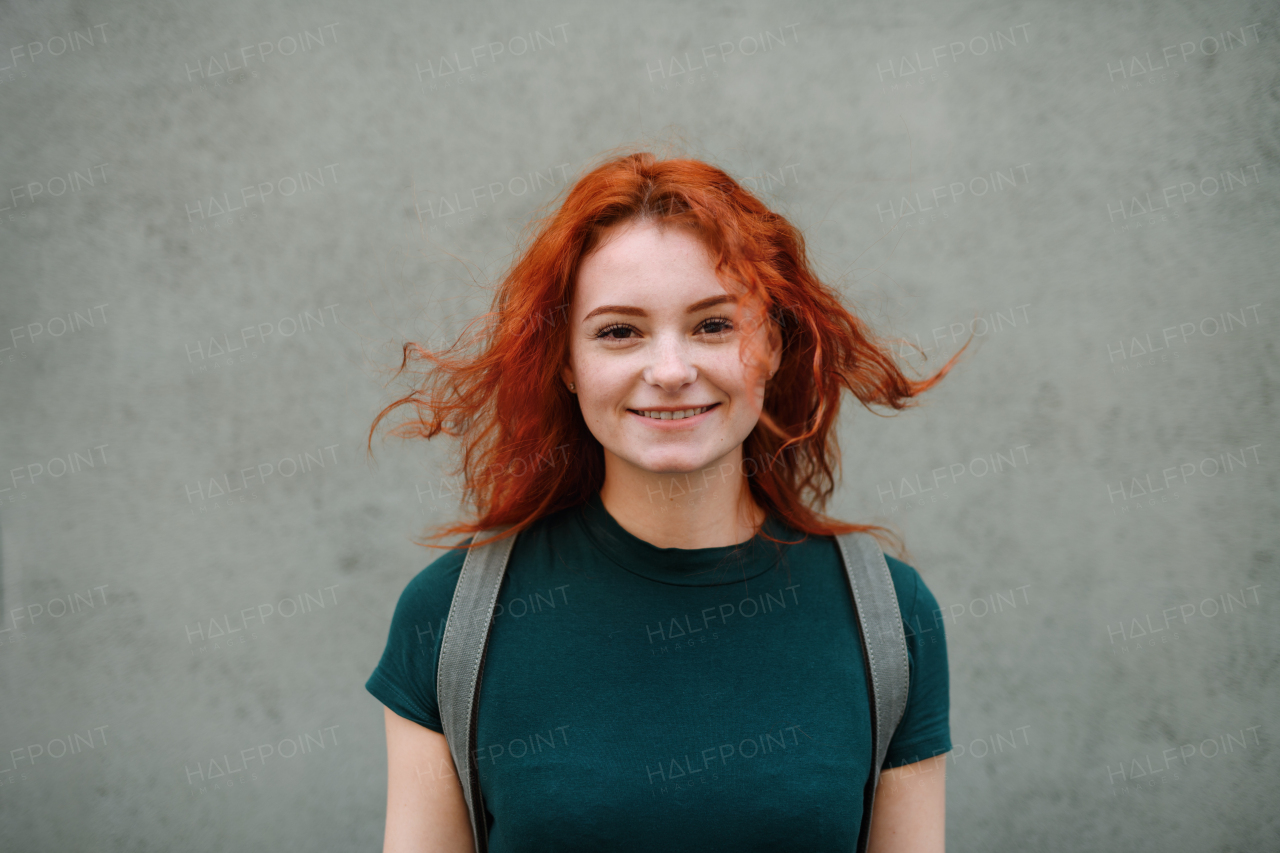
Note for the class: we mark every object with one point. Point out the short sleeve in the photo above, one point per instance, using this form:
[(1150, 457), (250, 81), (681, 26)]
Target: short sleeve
[(405, 678), (925, 729)]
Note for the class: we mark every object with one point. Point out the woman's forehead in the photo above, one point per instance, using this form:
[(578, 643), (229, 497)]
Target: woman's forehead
[(646, 266)]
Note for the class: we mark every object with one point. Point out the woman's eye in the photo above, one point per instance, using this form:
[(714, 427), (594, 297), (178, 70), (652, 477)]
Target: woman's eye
[(615, 333), (718, 325)]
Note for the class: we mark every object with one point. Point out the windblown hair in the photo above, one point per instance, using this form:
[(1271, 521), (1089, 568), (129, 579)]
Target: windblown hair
[(524, 448)]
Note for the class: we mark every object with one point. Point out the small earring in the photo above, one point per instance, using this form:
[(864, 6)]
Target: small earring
[(572, 387)]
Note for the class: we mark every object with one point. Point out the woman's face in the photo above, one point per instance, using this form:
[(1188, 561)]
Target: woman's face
[(654, 332)]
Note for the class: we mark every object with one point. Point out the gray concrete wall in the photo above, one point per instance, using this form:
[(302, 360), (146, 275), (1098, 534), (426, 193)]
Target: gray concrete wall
[(1102, 525)]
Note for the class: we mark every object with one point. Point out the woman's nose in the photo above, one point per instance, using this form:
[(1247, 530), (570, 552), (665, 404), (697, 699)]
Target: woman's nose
[(672, 365)]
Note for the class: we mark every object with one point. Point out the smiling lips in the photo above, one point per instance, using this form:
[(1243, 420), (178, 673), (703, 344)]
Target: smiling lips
[(669, 415)]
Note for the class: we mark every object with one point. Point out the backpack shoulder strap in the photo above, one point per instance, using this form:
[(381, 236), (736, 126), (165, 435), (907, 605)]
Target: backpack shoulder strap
[(462, 650), (884, 648)]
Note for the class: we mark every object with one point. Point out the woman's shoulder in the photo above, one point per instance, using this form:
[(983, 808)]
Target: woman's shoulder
[(914, 595), (431, 589)]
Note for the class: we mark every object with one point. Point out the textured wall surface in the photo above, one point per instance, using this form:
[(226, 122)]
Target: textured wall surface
[(220, 221)]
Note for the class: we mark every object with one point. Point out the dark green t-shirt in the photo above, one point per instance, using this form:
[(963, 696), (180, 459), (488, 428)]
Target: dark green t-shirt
[(644, 698)]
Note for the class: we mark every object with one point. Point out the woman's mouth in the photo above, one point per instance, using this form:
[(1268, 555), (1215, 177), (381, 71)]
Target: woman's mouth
[(672, 415)]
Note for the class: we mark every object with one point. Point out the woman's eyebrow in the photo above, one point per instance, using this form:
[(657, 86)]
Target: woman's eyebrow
[(632, 311)]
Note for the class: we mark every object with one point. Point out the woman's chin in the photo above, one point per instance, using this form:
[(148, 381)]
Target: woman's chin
[(679, 465)]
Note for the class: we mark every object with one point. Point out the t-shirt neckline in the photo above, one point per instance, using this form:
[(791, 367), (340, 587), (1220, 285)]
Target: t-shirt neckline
[(680, 566)]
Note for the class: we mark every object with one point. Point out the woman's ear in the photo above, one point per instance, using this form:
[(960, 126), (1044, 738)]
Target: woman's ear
[(566, 376), (775, 348)]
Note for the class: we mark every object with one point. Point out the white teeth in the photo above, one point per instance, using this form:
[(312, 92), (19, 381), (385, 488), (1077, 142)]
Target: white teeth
[(675, 416)]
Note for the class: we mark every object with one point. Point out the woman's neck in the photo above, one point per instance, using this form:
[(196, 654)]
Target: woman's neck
[(707, 508)]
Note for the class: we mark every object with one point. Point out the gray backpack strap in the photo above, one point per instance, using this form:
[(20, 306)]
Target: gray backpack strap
[(462, 650), (884, 646)]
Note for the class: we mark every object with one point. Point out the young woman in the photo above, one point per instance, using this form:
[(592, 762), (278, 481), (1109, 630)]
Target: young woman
[(674, 662)]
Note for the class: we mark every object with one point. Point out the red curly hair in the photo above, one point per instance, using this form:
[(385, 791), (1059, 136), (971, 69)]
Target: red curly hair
[(499, 391)]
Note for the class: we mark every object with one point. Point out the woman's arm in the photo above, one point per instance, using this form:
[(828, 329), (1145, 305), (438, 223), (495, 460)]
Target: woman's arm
[(910, 811), (426, 812)]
